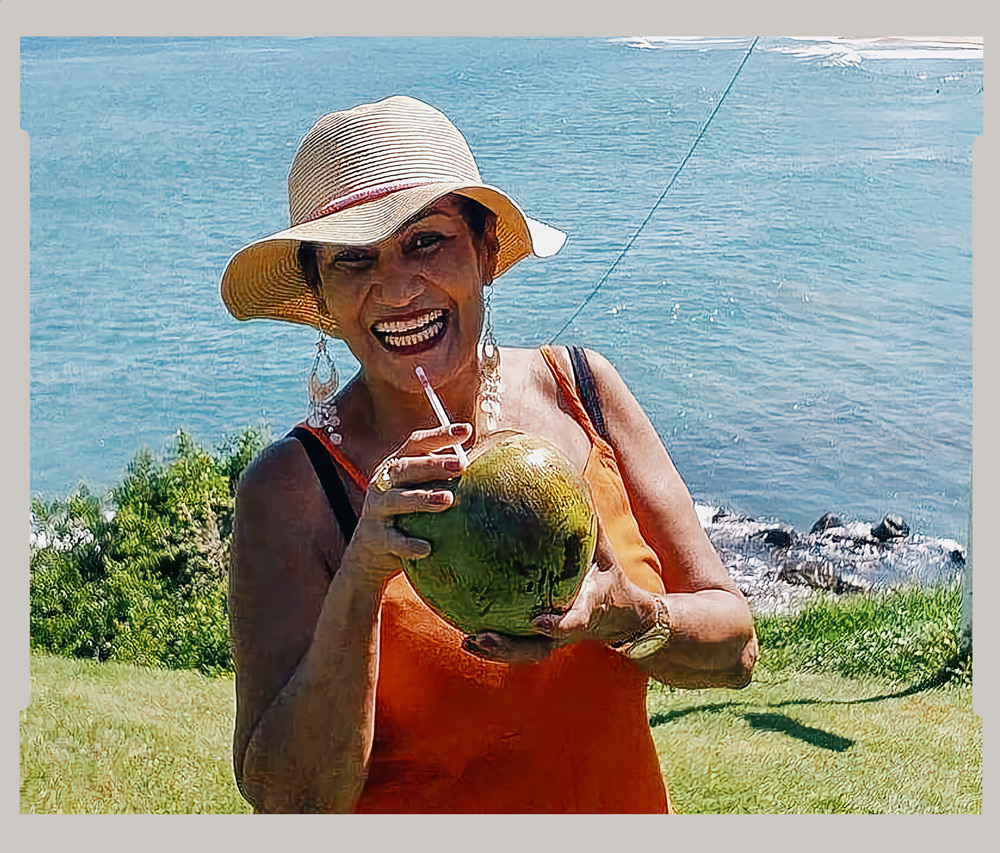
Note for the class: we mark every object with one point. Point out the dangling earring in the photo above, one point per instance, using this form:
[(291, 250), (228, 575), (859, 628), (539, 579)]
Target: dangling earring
[(489, 370), (323, 393)]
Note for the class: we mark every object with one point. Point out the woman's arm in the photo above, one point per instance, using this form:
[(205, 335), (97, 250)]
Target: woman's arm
[(299, 639), (713, 641), (306, 646)]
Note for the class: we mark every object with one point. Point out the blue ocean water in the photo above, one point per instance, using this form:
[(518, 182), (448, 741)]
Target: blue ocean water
[(796, 316)]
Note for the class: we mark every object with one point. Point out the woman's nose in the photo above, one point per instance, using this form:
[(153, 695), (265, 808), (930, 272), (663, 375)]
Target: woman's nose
[(396, 286)]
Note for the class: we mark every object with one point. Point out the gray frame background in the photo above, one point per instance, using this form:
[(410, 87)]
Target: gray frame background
[(517, 17)]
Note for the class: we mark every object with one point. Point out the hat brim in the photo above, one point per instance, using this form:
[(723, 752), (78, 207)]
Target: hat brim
[(264, 280)]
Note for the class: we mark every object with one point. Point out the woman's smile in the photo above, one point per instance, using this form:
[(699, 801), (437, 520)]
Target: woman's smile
[(414, 333)]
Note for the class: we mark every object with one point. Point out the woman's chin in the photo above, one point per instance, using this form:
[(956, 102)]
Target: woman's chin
[(441, 358)]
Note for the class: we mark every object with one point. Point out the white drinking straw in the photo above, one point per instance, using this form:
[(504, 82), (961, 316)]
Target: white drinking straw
[(442, 415)]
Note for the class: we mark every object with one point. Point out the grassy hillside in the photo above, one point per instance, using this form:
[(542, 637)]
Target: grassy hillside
[(820, 743), (114, 738), (859, 704)]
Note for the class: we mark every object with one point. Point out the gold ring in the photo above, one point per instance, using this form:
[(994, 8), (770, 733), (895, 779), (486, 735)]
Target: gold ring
[(381, 480)]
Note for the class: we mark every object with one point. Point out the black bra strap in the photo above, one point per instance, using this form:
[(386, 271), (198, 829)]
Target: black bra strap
[(333, 486), (588, 390), (330, 480)]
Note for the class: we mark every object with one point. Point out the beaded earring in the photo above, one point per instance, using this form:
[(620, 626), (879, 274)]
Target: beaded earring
[(489, 370), (323, 392)]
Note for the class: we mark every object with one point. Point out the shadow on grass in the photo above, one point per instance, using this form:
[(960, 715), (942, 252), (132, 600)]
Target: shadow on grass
[(787, 726), (662, 717), (944, 675), (947, 673)]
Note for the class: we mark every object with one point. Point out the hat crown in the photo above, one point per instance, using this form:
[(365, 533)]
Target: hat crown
[(396, 141)]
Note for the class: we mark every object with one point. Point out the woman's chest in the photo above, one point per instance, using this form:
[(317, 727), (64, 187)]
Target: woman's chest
[(531, 402)]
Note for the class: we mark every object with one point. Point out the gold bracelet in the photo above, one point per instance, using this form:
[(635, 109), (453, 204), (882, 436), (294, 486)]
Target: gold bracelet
[(653, 638)]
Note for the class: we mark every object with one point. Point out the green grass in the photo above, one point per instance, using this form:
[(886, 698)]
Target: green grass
[(114, 738), (820, 743), (858, 705), (904, 636)]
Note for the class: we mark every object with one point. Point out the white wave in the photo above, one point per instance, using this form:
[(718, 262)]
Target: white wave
[(705, 513), (852, 50), (827, 54), (690, 42), (828, 50)]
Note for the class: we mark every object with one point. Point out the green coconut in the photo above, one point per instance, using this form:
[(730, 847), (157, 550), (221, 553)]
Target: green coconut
[(517, 540)]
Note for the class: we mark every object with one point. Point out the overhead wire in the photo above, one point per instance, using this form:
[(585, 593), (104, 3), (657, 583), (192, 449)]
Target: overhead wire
[(663, 195)]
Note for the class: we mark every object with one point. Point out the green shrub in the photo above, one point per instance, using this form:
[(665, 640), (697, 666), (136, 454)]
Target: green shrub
[(148, 585), (145, 585), (903, 635)]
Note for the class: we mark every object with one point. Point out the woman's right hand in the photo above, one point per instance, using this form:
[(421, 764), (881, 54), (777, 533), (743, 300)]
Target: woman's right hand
[(378, 545)]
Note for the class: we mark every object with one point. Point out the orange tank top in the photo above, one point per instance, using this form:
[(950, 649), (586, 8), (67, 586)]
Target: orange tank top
[(457, 734)]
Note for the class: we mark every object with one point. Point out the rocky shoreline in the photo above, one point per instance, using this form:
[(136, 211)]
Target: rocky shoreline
[(779, 568)]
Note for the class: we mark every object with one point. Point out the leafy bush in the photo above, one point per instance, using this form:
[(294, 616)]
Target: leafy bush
[(141, 577), (147, 583)]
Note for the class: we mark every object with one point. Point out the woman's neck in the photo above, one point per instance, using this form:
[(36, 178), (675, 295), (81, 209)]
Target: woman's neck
[(392, 413)]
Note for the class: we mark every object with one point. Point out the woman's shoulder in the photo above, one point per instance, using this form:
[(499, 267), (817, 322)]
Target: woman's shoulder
[(281, 470), (280, 498), (532, 361)]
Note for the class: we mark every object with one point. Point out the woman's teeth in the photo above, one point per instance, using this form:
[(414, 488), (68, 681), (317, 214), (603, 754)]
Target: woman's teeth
[(408, 333), (416, 338)]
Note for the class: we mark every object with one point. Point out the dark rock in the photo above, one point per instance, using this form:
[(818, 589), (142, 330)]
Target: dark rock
[(780, 537), (820, 575), (809, 572), (826, 522), (721, 515), (852, 583), (891, 527), (957, 556)]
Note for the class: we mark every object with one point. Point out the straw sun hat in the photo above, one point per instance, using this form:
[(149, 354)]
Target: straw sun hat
[(357, 176)]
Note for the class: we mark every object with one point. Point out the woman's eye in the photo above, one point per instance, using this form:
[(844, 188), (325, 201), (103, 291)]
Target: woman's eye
[(351, 261), (425, 241)]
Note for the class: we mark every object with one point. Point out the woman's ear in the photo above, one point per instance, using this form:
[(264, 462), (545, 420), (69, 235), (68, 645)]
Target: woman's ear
[(307, 254), (327, 321), (321, 305), (489, 248)]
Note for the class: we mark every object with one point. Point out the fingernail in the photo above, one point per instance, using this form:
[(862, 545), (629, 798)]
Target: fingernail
[(459, 429), (442, 498), (453, 463)]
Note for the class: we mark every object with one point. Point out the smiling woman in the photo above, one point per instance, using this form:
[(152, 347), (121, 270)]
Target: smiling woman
[(352, 693), (444, 243)]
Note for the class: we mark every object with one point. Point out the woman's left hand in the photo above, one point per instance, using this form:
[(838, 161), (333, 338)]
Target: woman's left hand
[(608, 609)]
